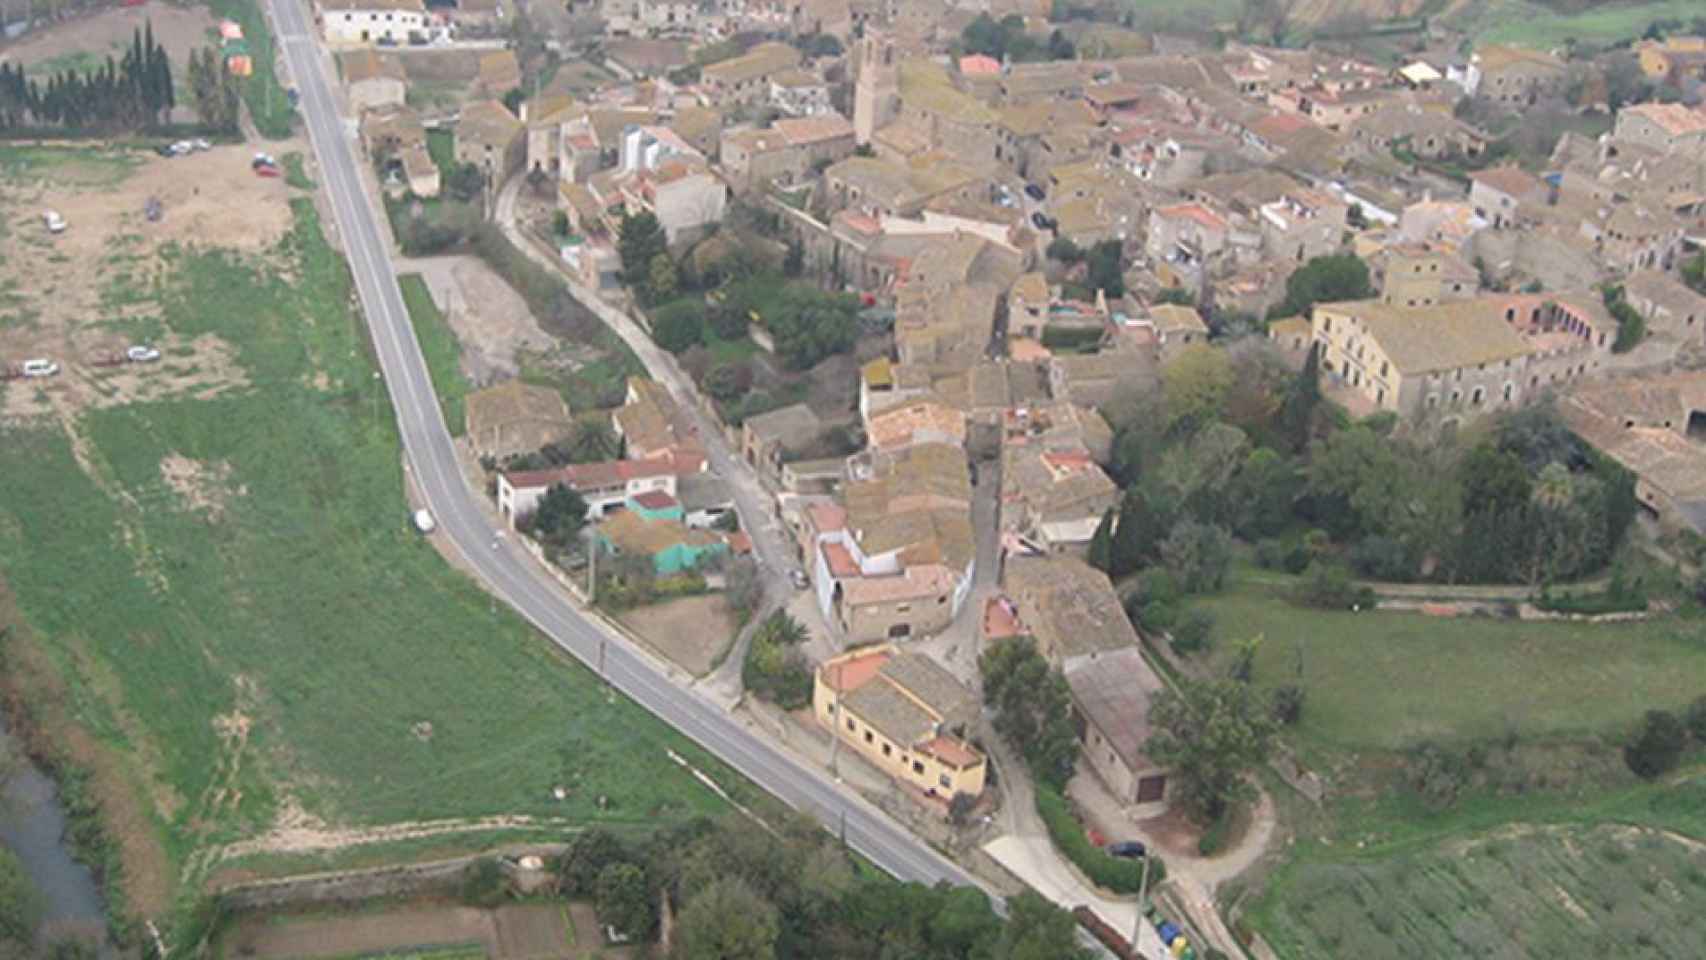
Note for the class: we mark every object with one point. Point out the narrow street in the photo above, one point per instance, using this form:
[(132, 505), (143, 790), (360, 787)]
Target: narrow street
[(753, 501)]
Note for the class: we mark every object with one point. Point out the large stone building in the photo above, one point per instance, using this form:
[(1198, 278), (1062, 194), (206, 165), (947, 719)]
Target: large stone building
[(904, 714)]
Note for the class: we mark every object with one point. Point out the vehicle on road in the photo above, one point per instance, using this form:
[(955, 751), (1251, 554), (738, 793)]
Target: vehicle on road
[(798, 578), (53, 221), (142, 353), (181, 147), (424, 521), (40, 367), (165, 150), (1127, 849), (1034, 192)]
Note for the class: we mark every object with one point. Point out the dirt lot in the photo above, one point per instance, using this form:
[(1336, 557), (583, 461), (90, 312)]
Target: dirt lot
[(178, 29), (690, 631), (441, 80), (541, 931), (491, 320), (88, 292)]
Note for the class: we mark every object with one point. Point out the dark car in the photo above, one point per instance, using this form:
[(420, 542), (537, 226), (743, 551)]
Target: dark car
[(1042, 222), (165, 150), (1034, 192), (1129, 849)]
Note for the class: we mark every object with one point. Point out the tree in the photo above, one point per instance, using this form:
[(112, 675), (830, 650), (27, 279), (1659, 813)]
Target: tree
[(20, 903), (1335, 277), (559, 518), (1060, 48), (465, 182), (728, 382), (1696, 718), (1138, 534), (624, 900), (1657, 745), (794, 263), (1064, 250), (1194, 387), (1297, 415), (1263, 493), (679, 324), (1033, 708), (661, 278), (1105, 268), (591, 851), (1210, 734), (1197, 554), (640, 239), (1040, 930), (513, 98), (726, 921), (1694, 272), (1101, 543), (1198, 472)]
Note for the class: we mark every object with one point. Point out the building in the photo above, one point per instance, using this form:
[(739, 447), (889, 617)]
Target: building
[(1673, 60), (545, 118), (651, 526), (650, 424), (746, 78), (766, 439), (1069, 607), (920, 421), (1456, 359), (800, 93), (498, 73), (1111, 694), (491, 138), (1500, 193), (1669, 307), (420, 172), (513, 418), (1666, 127), (1418, 275), (605, 486), (1176, 327), (1516, 75), (1302, 224), (373, 81), (1425, 133), (904, 714), (788, 151), (360, 23), (1654, 427), (1054, 498)]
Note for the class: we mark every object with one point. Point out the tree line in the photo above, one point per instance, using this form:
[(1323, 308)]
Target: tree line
[(744, 892), (130, 94)]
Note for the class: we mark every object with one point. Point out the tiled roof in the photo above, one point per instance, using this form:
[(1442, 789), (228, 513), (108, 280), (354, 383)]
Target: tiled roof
[(1439, 337), (1113, 693), (763, 59), (1069, 606)]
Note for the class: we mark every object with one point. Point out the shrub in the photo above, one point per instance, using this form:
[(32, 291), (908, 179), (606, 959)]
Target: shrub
[(1194, 632), (1288, 704), (1657, 745), (1213, 840), (1111, 873), (775, 669), (679, 324), (1382, 558), (1328, 586), (1056, 337), (483, 884), (1696, 719)]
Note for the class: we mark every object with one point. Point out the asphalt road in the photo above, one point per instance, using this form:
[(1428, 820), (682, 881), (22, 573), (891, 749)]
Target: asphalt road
[(507, 571)]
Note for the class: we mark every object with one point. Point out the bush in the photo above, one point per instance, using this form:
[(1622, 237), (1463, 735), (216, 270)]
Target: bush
[(679, 324), (1382, 558), (1214, 838), (1328, 586), (1194, 632), (1657, 745), (1111, 873), (1696, 719), (1288, 704), (775, 669), (1071, 338), (728, 382)]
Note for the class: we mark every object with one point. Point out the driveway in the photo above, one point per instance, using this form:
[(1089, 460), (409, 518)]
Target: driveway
[(756, 506)]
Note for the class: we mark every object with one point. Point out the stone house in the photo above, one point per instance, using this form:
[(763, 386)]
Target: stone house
[(746, 79), (491, 138), (766, 439), (373, 81), (905, 714), (1516, 76), (514, 417)]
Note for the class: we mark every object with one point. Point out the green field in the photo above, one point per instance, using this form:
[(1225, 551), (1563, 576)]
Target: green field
[(277, 636), (1511, 894), (1535, 25), (439, 345), (441, 146), (1391, 680), (296, 172)]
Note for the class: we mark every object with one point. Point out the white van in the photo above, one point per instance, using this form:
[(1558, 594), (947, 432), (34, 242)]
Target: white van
[(40, 368), (424, 521)]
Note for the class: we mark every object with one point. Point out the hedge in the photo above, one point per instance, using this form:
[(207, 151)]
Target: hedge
[(1063, 337), (1111, 873)]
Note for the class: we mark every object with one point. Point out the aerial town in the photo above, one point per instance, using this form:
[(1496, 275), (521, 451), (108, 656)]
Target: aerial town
[(940, 479)]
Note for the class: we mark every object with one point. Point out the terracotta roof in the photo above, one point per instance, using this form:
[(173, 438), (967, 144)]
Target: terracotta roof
[(634, 534), (487, 122), (1673, 118), (762, 59), (1069, 606), (840, 560), (1513, 181), (799, 131), (655, 500), (1196, 212), (979, 64), (1439, 337), (915, 422)]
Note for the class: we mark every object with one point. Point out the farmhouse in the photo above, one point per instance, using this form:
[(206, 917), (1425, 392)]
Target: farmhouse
[(359, 23)]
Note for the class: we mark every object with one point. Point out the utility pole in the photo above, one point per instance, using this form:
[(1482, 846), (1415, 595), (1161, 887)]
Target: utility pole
[(835, 733), (1142, 899)]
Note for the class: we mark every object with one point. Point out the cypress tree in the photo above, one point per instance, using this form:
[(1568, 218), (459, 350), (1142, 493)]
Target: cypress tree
[(1101, 543), (1297, 415), (1136, 535)]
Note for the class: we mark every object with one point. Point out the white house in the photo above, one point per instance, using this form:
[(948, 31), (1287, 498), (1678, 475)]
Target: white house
[(602, 485), (357, 23)]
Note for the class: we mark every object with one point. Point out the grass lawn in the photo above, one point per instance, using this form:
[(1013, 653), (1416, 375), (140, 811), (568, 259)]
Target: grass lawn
[(1534, 25), (268, 104), (295, 173), (67, 166), (1390, 680), (277, 636), (594, 385), (728, 351), (441, 146), (1558, 892), (443, 352)]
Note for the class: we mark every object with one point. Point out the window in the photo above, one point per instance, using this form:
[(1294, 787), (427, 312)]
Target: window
[(1475, 397), (888, 750), (869, 738), (917, 766), (903, 608), (1509, 388), (850, 723), (945, 782)]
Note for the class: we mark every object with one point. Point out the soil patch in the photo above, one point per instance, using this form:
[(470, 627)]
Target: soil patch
[(690, 631), (205, 487), (491, 321), (178, 29), (533, 931)]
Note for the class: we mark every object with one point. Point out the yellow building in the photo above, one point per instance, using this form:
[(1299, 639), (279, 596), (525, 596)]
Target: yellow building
[(901, 712)]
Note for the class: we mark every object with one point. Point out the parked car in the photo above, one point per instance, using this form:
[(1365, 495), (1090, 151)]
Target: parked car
[(53, 221), (1128, 849), (142, 353), (181, 147), (165, 150), (424, 521), (1034, 192), (798, 578), (1042, 221), (40, 368), (199, 144)]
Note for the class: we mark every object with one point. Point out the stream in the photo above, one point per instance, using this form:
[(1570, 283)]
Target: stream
[(32, 826)]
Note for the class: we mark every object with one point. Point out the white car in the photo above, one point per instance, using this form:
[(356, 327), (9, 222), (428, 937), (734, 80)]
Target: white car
[(40, 368), (182, 147), (200, 144), (424, 521), (142, 353), (53, 221)]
